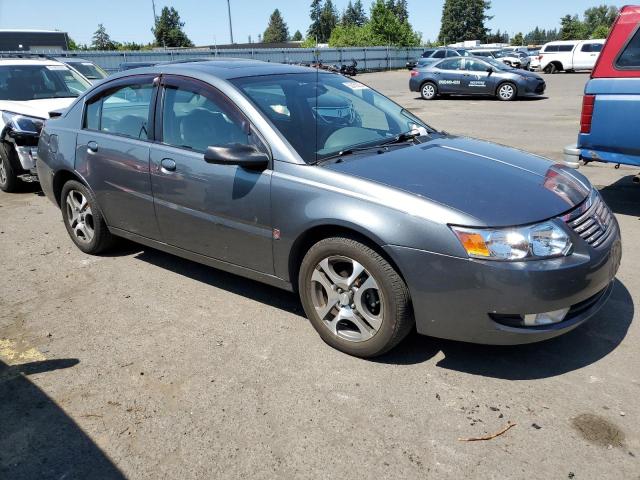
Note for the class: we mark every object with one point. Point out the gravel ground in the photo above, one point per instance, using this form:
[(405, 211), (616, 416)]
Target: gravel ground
[(142, 365)]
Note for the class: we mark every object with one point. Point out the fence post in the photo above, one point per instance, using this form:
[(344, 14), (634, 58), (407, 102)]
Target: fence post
[(365, 58)]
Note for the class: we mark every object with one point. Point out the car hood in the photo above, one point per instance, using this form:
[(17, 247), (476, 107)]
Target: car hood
[(499, 186), (36, 108)]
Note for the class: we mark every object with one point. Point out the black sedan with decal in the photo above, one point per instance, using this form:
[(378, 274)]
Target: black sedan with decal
[(475, 76)]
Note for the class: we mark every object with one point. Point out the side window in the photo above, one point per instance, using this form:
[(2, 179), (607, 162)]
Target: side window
[(566, 48), (630, 57), (196, 119), (588, 47), (453, 64), (475, 65), (124, 111), (439, 54)]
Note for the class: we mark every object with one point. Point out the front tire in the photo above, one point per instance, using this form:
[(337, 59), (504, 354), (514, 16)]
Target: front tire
[(9, 181), (428, 91), (507, 92), (83, 219), (354, 298)]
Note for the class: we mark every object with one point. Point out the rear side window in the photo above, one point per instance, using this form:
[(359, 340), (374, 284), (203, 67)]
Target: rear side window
[(592, 47), (630, 57), (439, 54), (452, 64), (565, 48), (123, 111)]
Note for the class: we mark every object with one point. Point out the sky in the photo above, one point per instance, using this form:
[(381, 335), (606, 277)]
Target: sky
[(206, 21)]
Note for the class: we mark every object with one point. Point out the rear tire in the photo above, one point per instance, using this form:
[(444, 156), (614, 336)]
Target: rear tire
[(428, 91), (551, 69), (83, 219), (9, 181), (507, 92), (354, 298)]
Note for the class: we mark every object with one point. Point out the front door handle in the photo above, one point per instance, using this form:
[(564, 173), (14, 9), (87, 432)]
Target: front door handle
[(92, 147), (168, 165)]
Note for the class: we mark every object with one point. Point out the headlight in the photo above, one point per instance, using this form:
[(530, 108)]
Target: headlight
[(23, 123), (545, 240)]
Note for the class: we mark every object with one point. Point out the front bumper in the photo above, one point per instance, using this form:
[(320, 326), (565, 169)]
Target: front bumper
[(468, 300), (28, 157)]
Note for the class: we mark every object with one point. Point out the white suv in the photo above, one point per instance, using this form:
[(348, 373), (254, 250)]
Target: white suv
[(29, 90), (569, 55)]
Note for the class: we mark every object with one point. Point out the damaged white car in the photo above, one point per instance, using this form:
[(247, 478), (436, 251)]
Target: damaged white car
[(30, 91)]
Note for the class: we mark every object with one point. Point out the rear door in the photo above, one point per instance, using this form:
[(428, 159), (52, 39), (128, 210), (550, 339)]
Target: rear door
[(112, 153), (220, 211), (586, 55), (451, 76)]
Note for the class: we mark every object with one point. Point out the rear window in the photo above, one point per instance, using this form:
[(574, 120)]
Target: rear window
[(558, 48), (629, 59)]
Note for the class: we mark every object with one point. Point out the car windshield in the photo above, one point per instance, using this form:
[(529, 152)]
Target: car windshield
[(36, 82), (323, 114), (89, 70)]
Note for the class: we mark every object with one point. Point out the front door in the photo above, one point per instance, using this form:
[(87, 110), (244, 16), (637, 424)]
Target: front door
[(220, 211), (112, 154), (585, 55), (477, 80)]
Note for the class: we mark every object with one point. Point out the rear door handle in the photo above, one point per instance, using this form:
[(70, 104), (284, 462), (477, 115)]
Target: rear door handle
[(92, 147), (168, 165)]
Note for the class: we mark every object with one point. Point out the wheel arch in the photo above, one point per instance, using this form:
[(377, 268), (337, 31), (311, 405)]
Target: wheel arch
[(60, 178), (431, 81), (316, 233)]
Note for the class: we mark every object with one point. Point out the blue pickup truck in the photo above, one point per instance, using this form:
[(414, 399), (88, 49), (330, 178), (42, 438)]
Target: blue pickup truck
[(610, 120)]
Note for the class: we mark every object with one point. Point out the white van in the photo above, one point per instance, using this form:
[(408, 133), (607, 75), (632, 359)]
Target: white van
[(570, 55)]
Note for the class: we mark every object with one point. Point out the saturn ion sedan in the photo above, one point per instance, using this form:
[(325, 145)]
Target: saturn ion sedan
[(475, 76), (315, 183)]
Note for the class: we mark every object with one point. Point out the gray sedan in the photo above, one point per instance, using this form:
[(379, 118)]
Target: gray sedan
[(475, 76), (315, 183)]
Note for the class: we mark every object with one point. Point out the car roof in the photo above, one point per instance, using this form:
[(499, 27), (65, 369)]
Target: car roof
[(72, 60), (27, 61), (224, 68)]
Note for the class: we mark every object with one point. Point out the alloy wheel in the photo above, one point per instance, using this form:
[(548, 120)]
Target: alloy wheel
[(428, 91), (3, 173), (347, 298), (506, 92), (80, 216)]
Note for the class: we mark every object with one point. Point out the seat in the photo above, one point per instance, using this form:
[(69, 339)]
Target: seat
[(203, 128), (132, 126)]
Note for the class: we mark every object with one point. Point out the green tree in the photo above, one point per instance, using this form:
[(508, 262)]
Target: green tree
[(168, 30), (71, 44), (401, 10), (354, 14), (328, 21), (602, 16), (315, 29), (297, 37), (464, 20), (277, 30), (518, 40), (101, 39), (572, 28), (600, 32)]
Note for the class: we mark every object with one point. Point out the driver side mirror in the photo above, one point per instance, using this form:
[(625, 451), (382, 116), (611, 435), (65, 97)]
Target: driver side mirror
[(245, 156), (489, 70)]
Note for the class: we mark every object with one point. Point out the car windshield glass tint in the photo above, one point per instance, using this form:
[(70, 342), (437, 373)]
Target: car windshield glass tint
[(35, 82), (322, 114), (90, 71)]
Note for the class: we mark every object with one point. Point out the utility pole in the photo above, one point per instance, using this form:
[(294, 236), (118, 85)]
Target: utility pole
[(155, 17), (230, 25)]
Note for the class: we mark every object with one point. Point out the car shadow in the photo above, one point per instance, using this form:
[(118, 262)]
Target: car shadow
[(623, 196), (577, 349), (581, 347), (236, 284), (487, 98), (38, 439)]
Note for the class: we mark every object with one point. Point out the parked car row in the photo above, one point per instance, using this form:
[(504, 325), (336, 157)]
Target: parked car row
[(312, 181)]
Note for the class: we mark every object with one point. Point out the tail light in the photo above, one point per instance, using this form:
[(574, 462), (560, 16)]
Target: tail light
[(414, 73), (540, 58), (588, 102)]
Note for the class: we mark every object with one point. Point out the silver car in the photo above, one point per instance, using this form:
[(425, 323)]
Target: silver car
[(315, 183)]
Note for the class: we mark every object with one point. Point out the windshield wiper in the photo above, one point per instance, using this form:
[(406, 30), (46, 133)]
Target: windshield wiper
[(402, 138), (381, 147)]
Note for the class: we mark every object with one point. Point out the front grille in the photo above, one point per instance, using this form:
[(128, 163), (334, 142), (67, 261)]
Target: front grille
[(592, 220)]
